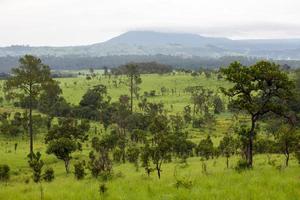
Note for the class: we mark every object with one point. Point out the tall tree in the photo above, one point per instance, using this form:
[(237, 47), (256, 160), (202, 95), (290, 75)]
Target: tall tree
[(28, 80), (134, 80), (257, 90)]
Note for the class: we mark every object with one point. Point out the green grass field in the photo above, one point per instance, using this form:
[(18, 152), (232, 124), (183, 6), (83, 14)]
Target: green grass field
[(264, 181)]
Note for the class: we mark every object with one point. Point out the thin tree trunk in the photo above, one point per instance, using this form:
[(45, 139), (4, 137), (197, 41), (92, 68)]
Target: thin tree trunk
[(287, 155), (30, 123), (158, 171), (131, 93), (67, 166), (227, 161), (250, 145)]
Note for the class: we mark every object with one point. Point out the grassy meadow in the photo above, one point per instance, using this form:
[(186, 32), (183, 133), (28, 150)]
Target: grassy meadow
[(264, 181)]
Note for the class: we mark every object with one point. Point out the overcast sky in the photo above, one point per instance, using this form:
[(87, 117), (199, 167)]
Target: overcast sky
[(77, 22)]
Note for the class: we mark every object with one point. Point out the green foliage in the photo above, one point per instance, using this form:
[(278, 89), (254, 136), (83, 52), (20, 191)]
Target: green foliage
[(257, 90), (4, 172), (79, 171), (205, 148), (36, 164), (48, 175)]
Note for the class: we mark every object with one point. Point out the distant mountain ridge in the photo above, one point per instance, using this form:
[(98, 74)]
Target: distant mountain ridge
[(184, 45)]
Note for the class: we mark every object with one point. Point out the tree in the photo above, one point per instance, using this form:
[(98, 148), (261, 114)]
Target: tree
[(65, 138), (257, 90), (100, 161), (218, 105), (36, 164), (287, 140), (50, 100), (28, 80), (134, 80), (205, 148), (161, 142), (227, 147)]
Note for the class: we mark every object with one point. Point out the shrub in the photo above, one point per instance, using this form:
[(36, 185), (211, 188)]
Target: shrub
[(242, 165), (4, 172), (79, 170), (117, 155), (102, 189), (48, 175), (36, 164)]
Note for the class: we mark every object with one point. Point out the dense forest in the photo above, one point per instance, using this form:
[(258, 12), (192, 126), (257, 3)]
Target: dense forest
[(81, 62)]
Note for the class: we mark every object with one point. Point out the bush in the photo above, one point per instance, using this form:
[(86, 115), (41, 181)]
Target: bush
[(48, 175), (4, 172), (102, 189), (242, 165), (79, 170), (117, 155), (297, 154)]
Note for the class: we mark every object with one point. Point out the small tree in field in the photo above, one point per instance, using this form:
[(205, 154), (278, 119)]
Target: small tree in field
[(65, 138), (205, 148), (28, 80), (161, 143), (36, 164), (287, 141), (134, 80), (227, 147), (257, 90)]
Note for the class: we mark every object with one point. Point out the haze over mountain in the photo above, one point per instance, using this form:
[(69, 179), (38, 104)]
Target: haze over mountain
[(184, 45)]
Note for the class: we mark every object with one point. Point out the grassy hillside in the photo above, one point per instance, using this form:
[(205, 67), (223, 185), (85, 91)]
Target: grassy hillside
[(264, 181)]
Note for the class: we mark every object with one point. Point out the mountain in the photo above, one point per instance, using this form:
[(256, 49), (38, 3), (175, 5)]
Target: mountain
[(175, 49), (174, 44)]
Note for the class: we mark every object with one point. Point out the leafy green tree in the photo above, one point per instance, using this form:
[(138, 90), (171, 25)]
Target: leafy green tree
[(287, 139), (161, 142), (79, 170), (227, 147), (133, 154), (100, 162), (205, 148), (65, 138), (50, 101), (28, 80), (36, 164), (257, 90), (218, 105)]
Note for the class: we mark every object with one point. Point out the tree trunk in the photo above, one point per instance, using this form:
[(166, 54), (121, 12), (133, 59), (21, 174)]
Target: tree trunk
[(287, 155), (67, 162), (30, 123), (131, 93), (250, 144), (158, 171), (227, 161)]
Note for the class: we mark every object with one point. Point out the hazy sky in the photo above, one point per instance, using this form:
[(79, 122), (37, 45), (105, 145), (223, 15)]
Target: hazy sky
[(74, 22)]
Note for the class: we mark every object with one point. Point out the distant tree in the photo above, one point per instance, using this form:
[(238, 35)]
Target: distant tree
[(100, 162), (187, 114), (79, 171), (28, 80), (287, 141), (227, 147), (161, 142), (133, 153), (218, 105), (36, 164), (65, 138), (257, 90), (134, 80), (50, 100), (205, 148)]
